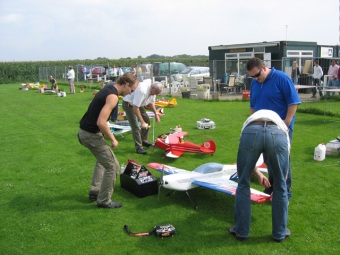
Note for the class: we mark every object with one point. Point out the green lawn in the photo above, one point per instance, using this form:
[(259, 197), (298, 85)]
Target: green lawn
[(45, 178)]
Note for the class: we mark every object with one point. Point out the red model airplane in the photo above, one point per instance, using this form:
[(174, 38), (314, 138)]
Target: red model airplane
[(174, 145)]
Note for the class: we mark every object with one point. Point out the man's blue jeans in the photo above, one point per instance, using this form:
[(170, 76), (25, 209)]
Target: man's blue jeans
[(272, 142), (331, 84), (289, 176)]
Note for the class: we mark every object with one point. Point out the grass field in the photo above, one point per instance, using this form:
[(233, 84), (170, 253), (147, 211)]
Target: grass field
[(46, 174)]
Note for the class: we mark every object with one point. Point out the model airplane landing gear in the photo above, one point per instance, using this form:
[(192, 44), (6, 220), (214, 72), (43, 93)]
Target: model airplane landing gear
[(192, 202)]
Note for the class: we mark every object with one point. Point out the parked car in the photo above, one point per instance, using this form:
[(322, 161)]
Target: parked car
[(194, 71), (146, 69), (126, 69), (96, 71), (162, 69)]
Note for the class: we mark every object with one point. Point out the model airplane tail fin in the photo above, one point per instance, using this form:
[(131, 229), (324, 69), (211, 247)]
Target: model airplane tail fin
[(208, 146), (173, 101)]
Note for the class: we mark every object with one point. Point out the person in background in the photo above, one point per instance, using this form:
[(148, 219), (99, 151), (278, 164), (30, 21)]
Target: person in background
[(133, 70), (84, 71), (134, 107), (120, 71), (70, 76), (114, 73), (338, 83), (295, 73), (93, 129), (333, 75), (54, 85), (139, 73), (317, 74)]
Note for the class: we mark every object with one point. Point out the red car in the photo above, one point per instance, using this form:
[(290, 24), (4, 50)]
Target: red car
[(97, 71)]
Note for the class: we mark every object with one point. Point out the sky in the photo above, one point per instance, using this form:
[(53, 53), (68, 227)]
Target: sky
[(44, 30)]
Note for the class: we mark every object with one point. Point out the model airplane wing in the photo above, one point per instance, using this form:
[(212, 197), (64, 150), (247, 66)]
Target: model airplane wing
[(225, 185), (167, 169), (173, 153)]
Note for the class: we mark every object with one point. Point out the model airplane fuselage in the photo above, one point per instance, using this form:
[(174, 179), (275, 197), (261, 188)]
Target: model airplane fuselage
[(174, 145)]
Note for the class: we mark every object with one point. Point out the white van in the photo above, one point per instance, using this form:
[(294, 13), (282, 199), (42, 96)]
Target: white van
[(194, 71)]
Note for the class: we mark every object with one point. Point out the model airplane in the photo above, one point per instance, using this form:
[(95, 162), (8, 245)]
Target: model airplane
[(174, 145), (160, 111), (121, 125), (214, 176), (166, 103), (118, 129)]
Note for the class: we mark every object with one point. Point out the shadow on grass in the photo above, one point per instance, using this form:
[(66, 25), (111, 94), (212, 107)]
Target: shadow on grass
[(41, 203)]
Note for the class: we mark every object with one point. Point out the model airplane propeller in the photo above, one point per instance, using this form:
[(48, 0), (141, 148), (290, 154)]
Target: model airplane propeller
[(212, 175), (174, 145)]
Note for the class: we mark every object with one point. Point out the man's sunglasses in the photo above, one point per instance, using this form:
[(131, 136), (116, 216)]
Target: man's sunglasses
[(257, 75)]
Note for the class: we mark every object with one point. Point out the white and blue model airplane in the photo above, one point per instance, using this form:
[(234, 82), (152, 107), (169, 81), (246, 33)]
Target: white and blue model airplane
[(212, 175), (117, 129)]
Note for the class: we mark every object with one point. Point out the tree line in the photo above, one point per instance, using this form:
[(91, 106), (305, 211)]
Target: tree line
[(28, 71)]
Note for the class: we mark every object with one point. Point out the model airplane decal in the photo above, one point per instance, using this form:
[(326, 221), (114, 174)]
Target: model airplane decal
[(174, 145), (214, 176), (166, 103)]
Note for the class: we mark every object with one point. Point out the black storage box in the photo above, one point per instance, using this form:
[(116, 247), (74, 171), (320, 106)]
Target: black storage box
[(139, 182)]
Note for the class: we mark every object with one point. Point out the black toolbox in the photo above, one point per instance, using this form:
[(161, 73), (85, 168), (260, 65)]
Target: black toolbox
[(138, 180)]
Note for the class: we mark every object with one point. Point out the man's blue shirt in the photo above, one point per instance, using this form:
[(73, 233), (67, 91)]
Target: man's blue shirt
[(276, 93)]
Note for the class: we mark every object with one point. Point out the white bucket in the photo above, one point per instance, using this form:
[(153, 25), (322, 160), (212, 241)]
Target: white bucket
[(320, 152)]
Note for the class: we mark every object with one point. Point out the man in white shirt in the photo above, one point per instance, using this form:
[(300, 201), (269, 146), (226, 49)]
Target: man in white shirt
[(134, 106), (120, 71), (317, 74), (70, 76)]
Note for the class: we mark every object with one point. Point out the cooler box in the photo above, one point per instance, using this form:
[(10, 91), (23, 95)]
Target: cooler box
[(333, 148), (246, 94), (138, 180)]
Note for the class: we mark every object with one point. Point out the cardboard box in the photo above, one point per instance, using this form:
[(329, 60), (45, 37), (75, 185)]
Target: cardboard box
[(138, 187)]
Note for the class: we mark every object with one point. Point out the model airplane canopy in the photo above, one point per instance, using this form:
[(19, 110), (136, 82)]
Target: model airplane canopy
[(214, 176)]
